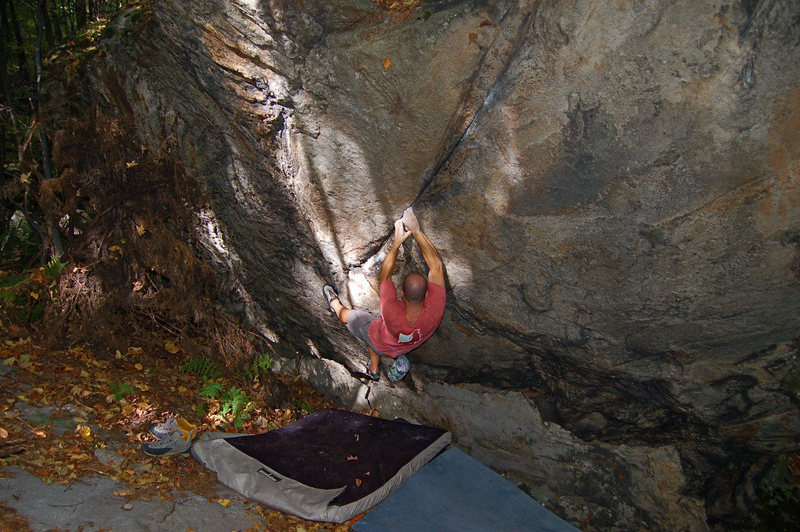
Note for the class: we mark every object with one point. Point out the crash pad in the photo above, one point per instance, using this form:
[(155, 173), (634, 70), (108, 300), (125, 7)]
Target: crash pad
[(455, 492), (329, 466)]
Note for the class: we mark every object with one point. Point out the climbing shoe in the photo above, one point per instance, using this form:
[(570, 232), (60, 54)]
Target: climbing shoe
[(177, 441), (330, 294), (372, 376)]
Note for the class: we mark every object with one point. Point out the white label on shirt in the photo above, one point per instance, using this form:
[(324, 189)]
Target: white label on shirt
[(408, 338)]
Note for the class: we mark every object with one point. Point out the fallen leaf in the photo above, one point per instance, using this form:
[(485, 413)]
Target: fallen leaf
[(171, 347), (351, 457), (85, 431), (387, 63), (224, 502), (3, 433), (138, 366), (358, 482)]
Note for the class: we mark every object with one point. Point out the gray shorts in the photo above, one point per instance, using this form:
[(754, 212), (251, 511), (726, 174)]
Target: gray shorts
[(358, 324)]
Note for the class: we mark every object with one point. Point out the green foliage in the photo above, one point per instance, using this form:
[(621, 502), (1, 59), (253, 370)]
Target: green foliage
[(30, 314), (12, 280), (202, 367), (20, 298), (305, 407), (211, 390), (19, 243), (121, 389), (54, 268), (10, 298), (234, 404), (778, 498), (261, 364)]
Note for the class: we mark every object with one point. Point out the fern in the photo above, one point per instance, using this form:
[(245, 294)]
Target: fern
[(261, 364), (12, 280), (210, 390), (234, 403), (54, 267), (202, 367)]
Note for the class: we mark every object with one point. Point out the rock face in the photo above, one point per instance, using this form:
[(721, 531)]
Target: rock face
[(613, 187)]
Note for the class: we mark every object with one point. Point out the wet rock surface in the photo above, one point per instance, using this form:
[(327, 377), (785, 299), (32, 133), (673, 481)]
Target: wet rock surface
[(612, 186)]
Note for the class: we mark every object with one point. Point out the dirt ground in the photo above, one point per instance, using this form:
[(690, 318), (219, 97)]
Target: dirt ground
[(68, 414)]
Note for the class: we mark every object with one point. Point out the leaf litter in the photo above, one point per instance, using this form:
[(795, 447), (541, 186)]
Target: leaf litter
[(108, 401)]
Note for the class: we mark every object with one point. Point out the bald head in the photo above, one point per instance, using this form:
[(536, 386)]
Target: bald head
[(414, 287)]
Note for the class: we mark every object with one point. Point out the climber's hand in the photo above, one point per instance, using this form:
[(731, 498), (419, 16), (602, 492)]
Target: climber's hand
[(400, 232), (410, 220)]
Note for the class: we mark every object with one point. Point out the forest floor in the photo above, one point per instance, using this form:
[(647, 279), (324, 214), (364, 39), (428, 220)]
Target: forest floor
[(72, 422)]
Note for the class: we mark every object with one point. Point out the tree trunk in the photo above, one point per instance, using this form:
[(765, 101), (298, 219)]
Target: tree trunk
[(4, 42), (47, 26), (21, 59), (80, 14), (55, 21), (47, 166), (69, 23)]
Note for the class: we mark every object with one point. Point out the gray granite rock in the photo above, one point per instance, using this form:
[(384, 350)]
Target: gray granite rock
[(92, 505), (612, 186)]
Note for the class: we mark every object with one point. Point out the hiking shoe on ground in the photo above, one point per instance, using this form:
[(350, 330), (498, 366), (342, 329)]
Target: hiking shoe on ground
[(330, 294), (176, 442), (159, 430)]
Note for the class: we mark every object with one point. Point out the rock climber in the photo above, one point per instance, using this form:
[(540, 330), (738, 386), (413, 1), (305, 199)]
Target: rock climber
[(404, 324)]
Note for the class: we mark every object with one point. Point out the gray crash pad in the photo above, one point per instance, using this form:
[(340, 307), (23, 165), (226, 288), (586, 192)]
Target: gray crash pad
[(456, 492)]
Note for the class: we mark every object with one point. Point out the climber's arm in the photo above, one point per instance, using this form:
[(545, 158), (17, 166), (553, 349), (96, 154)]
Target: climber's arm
[(431, 256), (429, 253), (400, 235)]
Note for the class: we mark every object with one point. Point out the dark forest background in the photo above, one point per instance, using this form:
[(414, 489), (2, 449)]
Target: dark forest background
[(31, 31)]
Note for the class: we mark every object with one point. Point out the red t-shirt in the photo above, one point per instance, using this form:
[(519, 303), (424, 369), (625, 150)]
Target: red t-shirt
[(391, 334)]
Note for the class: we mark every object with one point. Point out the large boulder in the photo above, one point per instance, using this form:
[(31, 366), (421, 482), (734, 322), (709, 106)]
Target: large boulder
[(613, 187)]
